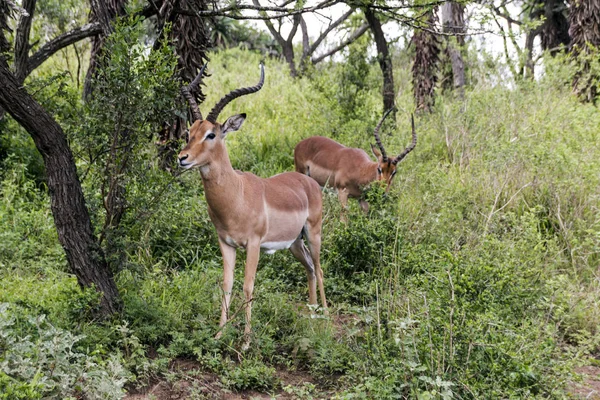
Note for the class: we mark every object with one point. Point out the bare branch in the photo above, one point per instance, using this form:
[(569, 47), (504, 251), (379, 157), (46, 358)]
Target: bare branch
[(69, 38), (276, 34), (331, 26), (355, 35), (22, 40), (62, 41), (294, 28), (229, 11), (15, 7), (305, 40)]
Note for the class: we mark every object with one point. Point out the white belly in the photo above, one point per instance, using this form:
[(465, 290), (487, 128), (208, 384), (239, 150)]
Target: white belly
[(272, 247)]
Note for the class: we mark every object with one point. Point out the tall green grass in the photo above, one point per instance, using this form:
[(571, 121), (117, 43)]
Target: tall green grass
[(476, 277)]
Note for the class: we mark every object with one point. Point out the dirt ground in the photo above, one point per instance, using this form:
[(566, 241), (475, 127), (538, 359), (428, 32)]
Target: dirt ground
[(589, 388), (190, 383)]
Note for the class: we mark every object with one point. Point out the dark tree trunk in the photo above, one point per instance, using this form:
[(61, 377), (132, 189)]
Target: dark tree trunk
[(104, 12), (4, 11), (453, 22), (584, 19), (555, 30), (287, 46), (22, 41), (385, 61), (71, 217), (190, 37), (424, 70)]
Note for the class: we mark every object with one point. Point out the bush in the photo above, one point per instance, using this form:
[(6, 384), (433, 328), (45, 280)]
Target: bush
[(38, 361)]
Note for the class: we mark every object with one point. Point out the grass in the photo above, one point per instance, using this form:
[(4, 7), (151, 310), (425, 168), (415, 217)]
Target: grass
[(476, 277)]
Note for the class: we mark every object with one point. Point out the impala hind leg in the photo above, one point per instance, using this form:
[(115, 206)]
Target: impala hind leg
[(252, 255), (228, 254), (313, 237), (302, 254), (343, 197)]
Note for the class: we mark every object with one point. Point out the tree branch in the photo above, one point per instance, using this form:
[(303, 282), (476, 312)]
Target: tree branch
[(230, 11), (331, 26), (305, 39), (355, 35), (269, 24), (22, 40), (72, 37), (294, 28), (60, 42)]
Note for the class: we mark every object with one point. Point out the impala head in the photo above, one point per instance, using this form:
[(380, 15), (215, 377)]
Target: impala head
[(205, 141), (386, 170)]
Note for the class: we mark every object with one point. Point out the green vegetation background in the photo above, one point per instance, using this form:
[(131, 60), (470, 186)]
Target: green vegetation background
[(476, 277)]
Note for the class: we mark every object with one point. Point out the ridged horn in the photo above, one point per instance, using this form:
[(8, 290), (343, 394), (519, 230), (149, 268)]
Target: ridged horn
[(411, 146), (376, 134), (234, 94), (187, 93)]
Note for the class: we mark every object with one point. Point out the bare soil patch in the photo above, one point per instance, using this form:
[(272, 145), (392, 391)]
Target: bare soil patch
[(589, 388), (189, 381)]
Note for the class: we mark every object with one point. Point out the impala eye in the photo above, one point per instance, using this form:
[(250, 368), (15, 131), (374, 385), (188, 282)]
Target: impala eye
[(210, 136)]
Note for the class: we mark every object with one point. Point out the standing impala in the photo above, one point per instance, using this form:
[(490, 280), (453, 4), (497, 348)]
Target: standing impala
[(347, 169), (253, 213)]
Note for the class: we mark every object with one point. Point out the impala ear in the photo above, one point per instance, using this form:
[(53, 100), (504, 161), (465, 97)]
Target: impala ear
[(376, 152), (232, 124)]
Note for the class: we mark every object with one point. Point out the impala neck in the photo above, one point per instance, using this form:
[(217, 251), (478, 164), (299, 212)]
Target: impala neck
[(221, 183), (368, 173)]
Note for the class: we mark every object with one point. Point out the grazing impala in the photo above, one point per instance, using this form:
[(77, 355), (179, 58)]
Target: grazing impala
[(253, 213), (347, 169)]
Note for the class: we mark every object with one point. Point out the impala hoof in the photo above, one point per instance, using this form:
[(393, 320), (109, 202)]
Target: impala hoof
[(246, 345)]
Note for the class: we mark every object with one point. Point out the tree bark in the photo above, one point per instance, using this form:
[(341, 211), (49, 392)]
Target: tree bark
[(385, 61), (22, 41), (425, 65), (584, 19), (453, 22), (73, 225), (555, 30)]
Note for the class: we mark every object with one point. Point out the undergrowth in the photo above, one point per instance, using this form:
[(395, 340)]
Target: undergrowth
[(476, 277)]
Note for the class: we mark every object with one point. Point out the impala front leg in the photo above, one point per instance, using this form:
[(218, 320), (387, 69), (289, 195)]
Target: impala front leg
[(365, 206), (343, 197), (252, 254), (228, 254)]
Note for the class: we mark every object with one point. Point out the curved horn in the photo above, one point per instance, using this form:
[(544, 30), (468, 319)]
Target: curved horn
[(187, 93), (234, 94), (411, 146), (376, 134)]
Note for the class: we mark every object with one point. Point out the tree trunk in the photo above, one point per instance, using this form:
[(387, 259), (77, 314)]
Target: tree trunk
[(104, 12), (71, 217), (555, 30), (453, 22), (287, 45), (584, 19), (191, 40), (385, 61), (426, 63)]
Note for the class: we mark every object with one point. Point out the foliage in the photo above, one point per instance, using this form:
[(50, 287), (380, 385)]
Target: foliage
[(39, 361), (133, 94), (475, 277)]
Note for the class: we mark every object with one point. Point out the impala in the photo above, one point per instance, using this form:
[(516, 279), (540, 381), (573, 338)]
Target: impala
[(253, 213), (347, 169)]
